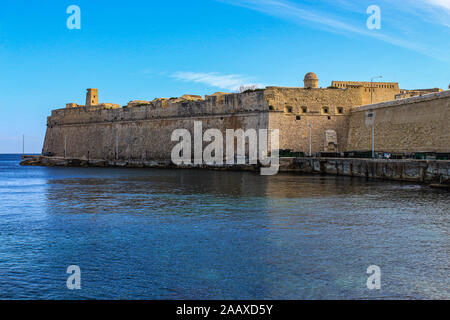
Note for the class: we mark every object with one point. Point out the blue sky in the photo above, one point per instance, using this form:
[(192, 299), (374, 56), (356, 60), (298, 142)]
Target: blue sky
[(148, 49)]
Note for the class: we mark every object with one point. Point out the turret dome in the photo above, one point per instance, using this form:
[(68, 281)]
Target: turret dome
[(311, 80), (311, 76)]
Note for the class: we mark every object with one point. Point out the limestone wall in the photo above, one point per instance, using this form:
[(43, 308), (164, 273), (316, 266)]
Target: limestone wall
[(372, 91), (294, 134), (403, 126), (144, 131), (426, 171), (293, 108), (278, 98)]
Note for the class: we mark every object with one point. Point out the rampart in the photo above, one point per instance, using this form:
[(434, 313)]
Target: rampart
[(293, 110), (402, 126), (144, 130), (323, 119)]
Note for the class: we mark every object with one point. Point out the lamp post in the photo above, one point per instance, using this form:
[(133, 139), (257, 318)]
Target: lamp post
[(310, 147), (373, 115)]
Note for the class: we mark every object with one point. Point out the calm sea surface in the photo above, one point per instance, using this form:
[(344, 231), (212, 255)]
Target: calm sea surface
[(191, 234)]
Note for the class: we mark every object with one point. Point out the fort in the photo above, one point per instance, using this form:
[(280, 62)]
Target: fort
[(310, 119)]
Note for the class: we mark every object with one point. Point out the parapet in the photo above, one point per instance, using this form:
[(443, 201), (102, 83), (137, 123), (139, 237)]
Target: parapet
[(399, 102), (108, 106), (191, 97), (416, 92), (135, 103), (379, 85), (220, 104), (218, 96)]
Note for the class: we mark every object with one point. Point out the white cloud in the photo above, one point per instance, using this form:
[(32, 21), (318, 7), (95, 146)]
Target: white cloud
[(305, 14), (436, 11), (295, 12), (213, 79), (441, 3)]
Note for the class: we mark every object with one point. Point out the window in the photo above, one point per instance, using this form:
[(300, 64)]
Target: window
[(304, 109), (340, 110), (325, 110), (288, 109), (329, 118), (298, 118)]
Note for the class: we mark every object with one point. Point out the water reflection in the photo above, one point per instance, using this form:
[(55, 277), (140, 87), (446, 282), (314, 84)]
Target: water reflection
[(190, 234)]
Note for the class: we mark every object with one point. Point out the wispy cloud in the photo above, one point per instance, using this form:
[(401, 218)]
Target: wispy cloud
[(432, 11), (330, 21), (223, 81), (441, 3), (295, 12)]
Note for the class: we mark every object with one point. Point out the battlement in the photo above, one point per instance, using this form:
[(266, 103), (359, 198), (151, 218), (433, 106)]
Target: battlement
[(416, 92), (433, 96), (308, 100), (161, 108), (364, 84)]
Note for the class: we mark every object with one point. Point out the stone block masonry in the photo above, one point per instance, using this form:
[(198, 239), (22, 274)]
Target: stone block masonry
[(421, 171), (339, 122), (144, 130), (417, 171), (418, 124)]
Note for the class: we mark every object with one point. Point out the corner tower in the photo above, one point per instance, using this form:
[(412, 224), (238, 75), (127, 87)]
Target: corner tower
[(92, 97), (311, 80)]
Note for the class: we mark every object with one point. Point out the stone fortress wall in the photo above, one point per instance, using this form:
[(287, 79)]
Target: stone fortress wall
[(294, 109), (142, 129), (420, 124), (372, 92)]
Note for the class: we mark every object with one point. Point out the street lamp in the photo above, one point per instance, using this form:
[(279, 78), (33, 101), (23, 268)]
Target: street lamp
[(310, 143), (373, 115)]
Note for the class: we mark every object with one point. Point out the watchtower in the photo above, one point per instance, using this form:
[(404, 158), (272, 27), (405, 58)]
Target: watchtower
[(311, 80), (92, 97)]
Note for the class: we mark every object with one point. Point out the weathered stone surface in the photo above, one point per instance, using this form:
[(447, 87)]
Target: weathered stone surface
[(143, 130), (421, 171), (190, 97), (407, 125), (135, 103)]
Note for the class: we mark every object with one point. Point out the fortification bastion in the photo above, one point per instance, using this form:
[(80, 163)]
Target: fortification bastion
[(308, 118)]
